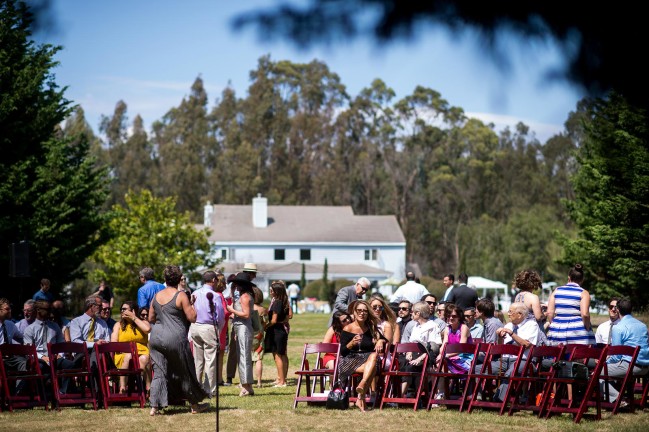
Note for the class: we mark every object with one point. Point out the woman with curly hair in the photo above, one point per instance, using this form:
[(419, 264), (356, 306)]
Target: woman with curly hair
[(387, 319), (131, 328), (360, 344), (527, 282)]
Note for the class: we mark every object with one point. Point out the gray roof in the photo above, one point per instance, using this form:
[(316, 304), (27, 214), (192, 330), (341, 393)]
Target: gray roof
[(296, 224), (312, 271)]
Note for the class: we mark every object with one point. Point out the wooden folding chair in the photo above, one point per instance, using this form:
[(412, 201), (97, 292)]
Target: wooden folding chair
[(317, 377), (451, 387), (641, 387), (527, 388), (33, 392), (81, 390), (588, 389), (393, 376), (109, 374), (355, 378), (625, 383), (488, 380)]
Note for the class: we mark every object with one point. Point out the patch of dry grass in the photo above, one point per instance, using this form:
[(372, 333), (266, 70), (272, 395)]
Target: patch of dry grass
[(271, 410)]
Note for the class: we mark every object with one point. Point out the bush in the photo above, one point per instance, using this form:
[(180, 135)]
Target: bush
[(314, 288), (434, 286)]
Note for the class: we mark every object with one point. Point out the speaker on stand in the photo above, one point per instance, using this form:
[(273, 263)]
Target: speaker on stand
[(19, 259)]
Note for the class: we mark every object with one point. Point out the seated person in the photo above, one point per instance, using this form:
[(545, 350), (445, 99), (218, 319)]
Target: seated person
[(522, 329), (361, 342), (132, 328), (41, 332), (456, 332), (340, 320)]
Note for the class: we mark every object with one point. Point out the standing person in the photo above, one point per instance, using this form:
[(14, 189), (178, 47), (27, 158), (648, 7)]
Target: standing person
[(106, 293), (182, 286), (448, 282), (44, 293), (349, 294), (411, 290), (258, 336), (131, 328), (149, 288), (219, 288), (173, 365), (629, 332), (276, 339), (294, 294), (29, 315), (204, 337), (603, 334), (360, 344), (242, 329), (569, 312), (462, 295), (527, 281), (249, 270)]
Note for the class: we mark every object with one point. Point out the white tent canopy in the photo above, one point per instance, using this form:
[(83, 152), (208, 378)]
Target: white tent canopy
[(496, 289)]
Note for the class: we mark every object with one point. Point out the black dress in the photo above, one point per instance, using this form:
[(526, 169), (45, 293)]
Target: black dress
[(352, 359), (276, 338)]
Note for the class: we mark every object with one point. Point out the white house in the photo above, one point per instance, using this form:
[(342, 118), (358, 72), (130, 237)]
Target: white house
[(279, 239)]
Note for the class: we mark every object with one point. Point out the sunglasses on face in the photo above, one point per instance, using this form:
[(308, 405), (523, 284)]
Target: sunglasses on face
[(361, 311), (377, 308), (611, 307), (345, 319), (404, 308), (468, 316), (453, 316), (431, 302)]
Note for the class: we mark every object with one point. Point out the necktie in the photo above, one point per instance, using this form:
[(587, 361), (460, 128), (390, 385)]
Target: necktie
[(610, 333), (5, 336), (515, 329), (91, 330), (44, 335)]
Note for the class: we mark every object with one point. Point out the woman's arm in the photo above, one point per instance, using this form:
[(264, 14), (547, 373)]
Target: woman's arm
[(584, 306), (144, 326), (245, 306), (182, 302), (465, 332), (114, 336), (550, 314), (535, 305), (152, 316), (388, 331), (397, 335), (328, 337)]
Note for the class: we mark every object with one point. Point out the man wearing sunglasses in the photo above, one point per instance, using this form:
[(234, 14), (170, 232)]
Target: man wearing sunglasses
[(350, 294), (603, 334), (105, 314)]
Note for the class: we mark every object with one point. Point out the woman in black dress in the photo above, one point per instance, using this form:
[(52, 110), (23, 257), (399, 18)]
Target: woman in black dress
[(360, 344), (276, 338)]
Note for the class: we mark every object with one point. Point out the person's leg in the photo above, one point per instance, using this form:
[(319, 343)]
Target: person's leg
[(145, 365), (199, 352), (233, 358), (259, 370), (618, 370), (123, 380), (159, 392), (368, 369), (279, 362), (244, 338), (211, 357)]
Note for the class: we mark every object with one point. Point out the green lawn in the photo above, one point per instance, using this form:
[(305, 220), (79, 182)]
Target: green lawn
[(271, 410)]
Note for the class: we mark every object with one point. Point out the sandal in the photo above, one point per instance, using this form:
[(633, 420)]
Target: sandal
[(245, 392), (360, 389), (199, 408)]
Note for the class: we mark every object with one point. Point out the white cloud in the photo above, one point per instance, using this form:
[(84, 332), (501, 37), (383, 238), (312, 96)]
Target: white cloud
[(543, 131)]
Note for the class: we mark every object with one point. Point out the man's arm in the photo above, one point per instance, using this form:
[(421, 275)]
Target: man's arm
[(397, 296), (342, 300), (141, 298)]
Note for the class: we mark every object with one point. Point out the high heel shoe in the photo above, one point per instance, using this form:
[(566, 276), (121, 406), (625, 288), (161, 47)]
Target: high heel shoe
[(360, 389)]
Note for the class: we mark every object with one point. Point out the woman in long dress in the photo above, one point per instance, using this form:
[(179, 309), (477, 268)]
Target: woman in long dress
[(173, 362), (131, 328), (569, 312)]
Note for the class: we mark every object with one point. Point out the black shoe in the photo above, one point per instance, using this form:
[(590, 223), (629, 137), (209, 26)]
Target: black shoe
[(227, 383)]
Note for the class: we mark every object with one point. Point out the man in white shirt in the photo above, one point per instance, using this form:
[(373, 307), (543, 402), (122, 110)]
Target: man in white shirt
[(603, 334), (411, 290), (518, 331), (448, 282), (294, 295)]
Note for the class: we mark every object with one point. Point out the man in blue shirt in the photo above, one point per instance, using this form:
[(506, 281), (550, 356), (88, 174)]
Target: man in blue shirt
[(630, 332), (44, 293), (147, 291)]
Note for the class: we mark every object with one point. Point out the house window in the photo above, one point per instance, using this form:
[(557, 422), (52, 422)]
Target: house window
[(280, 254), (305, 254), (371, 254), (224, 254)]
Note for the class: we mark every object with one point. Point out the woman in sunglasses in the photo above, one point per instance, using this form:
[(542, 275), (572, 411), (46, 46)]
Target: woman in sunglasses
[(132, 328), (360, 344), (387, 319), (340, 320)]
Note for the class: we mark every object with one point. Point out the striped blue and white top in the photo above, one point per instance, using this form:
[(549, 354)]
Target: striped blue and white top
[(567, 326)]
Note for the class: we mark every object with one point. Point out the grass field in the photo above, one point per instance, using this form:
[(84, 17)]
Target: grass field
[(271, 410)]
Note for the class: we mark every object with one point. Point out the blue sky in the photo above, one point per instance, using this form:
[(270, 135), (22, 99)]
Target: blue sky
[(147, 53)]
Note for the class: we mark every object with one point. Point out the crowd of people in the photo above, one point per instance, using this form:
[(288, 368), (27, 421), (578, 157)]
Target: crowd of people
[(182, 335)]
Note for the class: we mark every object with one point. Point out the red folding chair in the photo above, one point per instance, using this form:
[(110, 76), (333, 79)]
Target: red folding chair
[(316, 377), (625, 383), (109, 374), (81, 390), (33, 392), (527, 388), (392, 386), (641, 387), (448, 388), (488, 380), (585, 393), (356, 378)]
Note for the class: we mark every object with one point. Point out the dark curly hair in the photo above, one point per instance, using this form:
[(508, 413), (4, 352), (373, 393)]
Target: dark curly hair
[(172, 275), (527, 280), (123, 323)]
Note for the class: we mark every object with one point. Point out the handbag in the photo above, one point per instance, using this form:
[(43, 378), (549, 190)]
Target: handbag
[(572, 370), (338, 398)]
